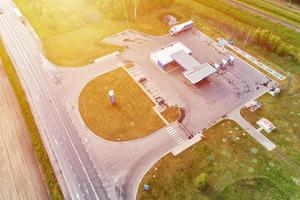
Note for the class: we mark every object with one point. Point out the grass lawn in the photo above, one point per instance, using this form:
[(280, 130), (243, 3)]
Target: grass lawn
[(132, 117), (227, 156), (171, 114), (284, 112), (252, 188), (40, 152), (72, 31)]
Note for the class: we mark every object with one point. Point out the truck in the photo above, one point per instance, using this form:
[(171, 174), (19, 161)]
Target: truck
[(181, 27)]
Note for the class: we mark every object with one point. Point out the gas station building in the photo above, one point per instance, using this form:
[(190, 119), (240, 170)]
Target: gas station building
[(178, 53)]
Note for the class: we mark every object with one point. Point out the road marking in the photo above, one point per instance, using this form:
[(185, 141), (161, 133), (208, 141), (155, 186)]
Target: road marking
[(87, 191), (182, 141), (173, 134), (170, 128)]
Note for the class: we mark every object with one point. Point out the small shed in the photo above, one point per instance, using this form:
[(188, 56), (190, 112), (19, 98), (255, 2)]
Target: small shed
[(253, 105), (266, 125)]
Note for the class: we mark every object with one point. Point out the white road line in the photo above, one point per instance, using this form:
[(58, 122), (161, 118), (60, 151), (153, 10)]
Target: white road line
[(173, 134), (182, 141), (178, 139), (170, 127)]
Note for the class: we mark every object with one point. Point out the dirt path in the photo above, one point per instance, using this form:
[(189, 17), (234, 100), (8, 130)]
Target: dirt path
[(236, 4), (20, 176)]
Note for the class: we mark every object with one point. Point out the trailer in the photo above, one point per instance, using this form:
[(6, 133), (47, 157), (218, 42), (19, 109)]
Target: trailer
[(181, 27)]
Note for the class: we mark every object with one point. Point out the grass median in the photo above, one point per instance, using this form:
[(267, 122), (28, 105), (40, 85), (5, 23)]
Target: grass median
[(40, 152), (132, 116)]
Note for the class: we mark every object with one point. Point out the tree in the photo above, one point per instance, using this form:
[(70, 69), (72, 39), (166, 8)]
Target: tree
[(274, 41), (201, 181)]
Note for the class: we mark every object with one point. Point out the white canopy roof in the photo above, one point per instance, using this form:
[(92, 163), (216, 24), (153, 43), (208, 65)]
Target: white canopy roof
[(200, 73), (194, 71)]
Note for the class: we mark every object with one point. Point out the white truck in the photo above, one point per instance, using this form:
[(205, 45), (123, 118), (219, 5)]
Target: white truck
[(181, 27)]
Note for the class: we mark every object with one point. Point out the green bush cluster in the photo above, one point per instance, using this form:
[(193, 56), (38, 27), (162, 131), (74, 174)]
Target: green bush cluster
[(201, 181), (274, 43)]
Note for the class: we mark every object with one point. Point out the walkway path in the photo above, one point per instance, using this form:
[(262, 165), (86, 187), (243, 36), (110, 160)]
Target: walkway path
[(259, 137)]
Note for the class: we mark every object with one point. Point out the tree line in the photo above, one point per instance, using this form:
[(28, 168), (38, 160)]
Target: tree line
[(275, 44)]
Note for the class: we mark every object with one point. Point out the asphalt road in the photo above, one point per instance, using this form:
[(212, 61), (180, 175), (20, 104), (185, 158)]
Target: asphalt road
[(58, 133)]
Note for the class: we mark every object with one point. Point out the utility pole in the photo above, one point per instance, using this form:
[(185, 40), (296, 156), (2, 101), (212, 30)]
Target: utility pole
[(246, 40)]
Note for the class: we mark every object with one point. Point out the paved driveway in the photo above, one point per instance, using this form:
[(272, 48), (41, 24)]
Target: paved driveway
[(213, 99)]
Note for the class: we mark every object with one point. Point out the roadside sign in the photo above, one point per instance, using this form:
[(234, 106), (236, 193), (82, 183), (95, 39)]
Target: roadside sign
[(146, 187)]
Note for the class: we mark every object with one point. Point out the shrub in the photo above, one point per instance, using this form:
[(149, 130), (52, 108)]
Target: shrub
[(201, 181), (274, 43)]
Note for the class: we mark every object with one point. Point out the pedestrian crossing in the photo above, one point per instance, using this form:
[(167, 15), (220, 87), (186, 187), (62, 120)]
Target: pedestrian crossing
[(175, 134)]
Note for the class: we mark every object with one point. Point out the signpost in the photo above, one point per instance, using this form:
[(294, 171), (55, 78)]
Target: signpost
[(112, 97)]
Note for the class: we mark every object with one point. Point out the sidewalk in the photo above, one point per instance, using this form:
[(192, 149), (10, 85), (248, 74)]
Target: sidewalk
[(259, 137)]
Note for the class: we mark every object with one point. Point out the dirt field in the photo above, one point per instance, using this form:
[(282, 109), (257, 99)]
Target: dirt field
[(19, 172)]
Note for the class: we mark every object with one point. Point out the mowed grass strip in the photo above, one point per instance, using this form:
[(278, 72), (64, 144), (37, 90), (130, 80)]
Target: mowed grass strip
[(132, 116), (226, 154)]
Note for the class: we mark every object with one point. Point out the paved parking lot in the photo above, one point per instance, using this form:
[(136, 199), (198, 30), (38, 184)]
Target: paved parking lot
[(212, 99), (204, 105)]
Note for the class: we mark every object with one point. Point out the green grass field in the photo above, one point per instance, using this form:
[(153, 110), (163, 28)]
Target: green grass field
[(252, 188), (284, 112), (72, 31), (40, 152), (228, 156), (132, 117)]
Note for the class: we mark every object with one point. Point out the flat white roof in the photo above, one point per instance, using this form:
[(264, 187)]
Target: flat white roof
[(164, 55), (182, 25), (185, 60), (201, 72), (266, 124), (194, 71)]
